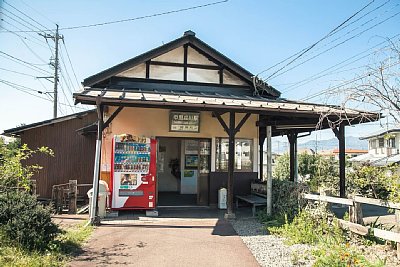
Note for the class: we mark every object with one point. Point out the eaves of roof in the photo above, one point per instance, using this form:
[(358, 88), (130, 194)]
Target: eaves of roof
[(18, 130), (381, 133)]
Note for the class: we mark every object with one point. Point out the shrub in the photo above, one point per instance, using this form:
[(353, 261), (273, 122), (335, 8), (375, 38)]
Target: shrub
[(286, 201), (309, 227), (25, 222)]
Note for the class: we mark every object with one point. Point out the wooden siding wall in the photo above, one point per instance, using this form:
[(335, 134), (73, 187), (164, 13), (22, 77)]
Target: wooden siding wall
[(73, 153)]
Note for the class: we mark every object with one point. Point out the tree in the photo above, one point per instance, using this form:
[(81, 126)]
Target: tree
[(13, 173), (282, 169), (376, 89)]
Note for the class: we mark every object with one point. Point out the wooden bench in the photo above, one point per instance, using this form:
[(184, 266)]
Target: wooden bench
[(255, 199)]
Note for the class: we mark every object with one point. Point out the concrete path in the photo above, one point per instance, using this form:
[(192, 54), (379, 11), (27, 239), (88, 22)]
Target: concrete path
[(165, 242)]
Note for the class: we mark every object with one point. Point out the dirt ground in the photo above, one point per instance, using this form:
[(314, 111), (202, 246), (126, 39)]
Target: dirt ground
[(165, 242)]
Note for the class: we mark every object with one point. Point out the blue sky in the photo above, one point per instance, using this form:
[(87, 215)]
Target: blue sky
[(255, 34)]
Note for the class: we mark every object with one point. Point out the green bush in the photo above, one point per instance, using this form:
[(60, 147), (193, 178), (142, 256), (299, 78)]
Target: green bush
[(286, 201), (25, 222), (309, 227)]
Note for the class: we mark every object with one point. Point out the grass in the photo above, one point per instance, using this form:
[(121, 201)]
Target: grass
[(330, 246), (65, 246)]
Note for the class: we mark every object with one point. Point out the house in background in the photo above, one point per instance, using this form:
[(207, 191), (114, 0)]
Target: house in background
[(349, 152), (73, 143), (383, 148)]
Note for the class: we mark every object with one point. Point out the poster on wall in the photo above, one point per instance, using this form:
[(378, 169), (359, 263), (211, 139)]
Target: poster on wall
[(184, 121), (191, 147), (191, 161)]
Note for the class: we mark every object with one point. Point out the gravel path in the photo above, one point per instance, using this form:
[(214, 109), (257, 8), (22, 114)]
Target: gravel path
[(269, 250)]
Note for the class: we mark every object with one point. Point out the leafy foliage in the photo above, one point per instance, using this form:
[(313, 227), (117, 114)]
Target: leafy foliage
[(318, 227), (282, 170), (308, 227), (25, 222), (13, 173), (318, 171), (66, 244), (376, 182)]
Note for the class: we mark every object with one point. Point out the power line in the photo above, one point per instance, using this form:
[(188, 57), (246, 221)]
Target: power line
[(37, 12), (320, 40), (19, 22), (27, 16), (27, 64), (28, 90), (56, 38), (72, 66), (314, 77), (17, 72), (71, 84), (141, 17), (13, 32), (345, 41), (347, 82)]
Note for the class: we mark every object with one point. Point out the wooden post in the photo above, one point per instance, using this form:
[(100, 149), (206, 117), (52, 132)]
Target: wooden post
[(54, 197), (231, 164), (269, 170), (231, 131), (33, 188), (262, 131), (59, 199), (340, 135), (355, 213), (72, 196), (292, 137), (397, 214)]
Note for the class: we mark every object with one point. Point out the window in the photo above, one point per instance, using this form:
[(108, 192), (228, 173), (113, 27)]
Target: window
[(243, 155), (391, 142), (381, 142), (372, 144)]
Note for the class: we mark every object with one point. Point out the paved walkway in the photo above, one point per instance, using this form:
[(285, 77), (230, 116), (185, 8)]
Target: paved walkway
[(165, 242)]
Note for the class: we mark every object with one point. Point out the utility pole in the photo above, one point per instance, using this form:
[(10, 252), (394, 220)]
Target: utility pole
[(56, 38)]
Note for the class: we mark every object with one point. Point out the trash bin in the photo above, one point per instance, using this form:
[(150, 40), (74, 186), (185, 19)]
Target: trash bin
[(102, 200), (222, 194)]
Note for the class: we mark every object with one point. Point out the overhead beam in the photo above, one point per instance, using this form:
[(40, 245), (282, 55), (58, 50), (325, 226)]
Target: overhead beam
[(243, 120), (112, 117)]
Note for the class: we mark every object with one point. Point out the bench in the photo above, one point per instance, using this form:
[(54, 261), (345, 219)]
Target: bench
[(255, 199)]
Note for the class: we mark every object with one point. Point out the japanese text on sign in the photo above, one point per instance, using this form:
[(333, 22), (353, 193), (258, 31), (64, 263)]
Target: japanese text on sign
[(184, 121)]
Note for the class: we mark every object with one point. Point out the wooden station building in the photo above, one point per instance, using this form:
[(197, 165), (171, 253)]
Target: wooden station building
[(236, 111)]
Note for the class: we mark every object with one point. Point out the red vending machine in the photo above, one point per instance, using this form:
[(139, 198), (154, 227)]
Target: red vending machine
[(133, 172)]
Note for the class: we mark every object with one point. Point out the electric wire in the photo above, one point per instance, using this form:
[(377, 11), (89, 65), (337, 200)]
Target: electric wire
[(38, 42), (17, 21), (345, 41), (37, 12), (316, 76), (29, 90), (304, 51), (348, 82), (24, 63), (6, 2), (66, 98), (140, 17), (71, 83), (17, 72), (72, 66)]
